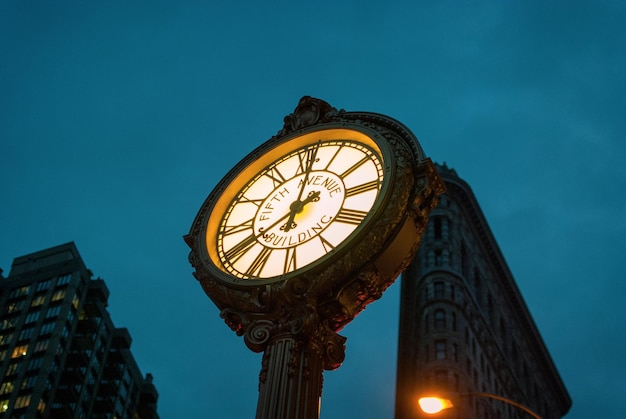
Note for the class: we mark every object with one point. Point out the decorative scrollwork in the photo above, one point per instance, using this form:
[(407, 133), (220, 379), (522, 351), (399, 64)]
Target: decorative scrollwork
[(258, 334), (310, 111), (235, 320)]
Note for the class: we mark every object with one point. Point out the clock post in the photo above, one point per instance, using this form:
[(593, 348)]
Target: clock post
[(306, 231)]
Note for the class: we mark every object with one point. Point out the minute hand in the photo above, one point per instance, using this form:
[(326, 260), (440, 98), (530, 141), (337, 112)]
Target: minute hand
[(297, 205)]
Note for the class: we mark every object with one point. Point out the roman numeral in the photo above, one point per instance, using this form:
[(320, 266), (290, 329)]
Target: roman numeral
[(245, 200), (259, 262), (234, 253), (306, 159), (290, 260), (349, 216), (228, 230), (277, 177), (355, 166), (326, 244), (333, 157), (364, 187)]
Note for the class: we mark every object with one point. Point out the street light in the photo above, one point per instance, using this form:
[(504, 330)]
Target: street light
[(435, 404)]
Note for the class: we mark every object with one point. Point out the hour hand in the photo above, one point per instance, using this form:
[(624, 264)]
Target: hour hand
[(297, 206)]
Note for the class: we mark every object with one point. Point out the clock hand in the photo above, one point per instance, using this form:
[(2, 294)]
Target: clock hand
[(312, 197), (297, 205)]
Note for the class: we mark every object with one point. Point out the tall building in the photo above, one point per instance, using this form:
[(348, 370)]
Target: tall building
[(60, 354), (464, 326)]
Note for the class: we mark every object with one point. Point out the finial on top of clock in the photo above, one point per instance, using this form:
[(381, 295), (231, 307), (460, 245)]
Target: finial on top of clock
[(310, 111)]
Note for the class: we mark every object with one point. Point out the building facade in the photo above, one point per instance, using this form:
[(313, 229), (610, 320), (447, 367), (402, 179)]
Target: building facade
[(60, 354), (464, 326)]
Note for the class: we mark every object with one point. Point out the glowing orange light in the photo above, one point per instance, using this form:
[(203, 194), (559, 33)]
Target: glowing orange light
[(433, 405)]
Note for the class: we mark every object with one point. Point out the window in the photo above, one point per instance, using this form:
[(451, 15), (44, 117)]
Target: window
[(43, 285), (21, 402), (12, 369), (32, 317), (53, 311), (6, 339), (26, 333), (18, 292), (438, 289), (440, 349), (7, 324), (437, 227), (75, 302), (38, 300), (6, 387), (440, 319), (14, 307), (438, 257), (20, 351), (35, 363), (453, 320), (47, 328), (65, 279), (29, 382), (58, 295), (41, 345)]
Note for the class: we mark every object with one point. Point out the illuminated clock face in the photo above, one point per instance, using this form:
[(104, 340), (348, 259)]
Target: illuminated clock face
[(296, 205)]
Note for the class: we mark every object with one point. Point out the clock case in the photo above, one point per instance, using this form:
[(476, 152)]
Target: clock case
[(323, 297)]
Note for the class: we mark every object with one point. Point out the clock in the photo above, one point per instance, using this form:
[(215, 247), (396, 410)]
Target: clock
[(297, 205), (315, 223)]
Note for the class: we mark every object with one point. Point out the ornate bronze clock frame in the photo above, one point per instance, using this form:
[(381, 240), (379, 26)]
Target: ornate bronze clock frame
[(306, 231)]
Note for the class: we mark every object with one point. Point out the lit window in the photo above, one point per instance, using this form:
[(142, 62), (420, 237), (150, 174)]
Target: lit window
[(13, 307), (6, 387), (21, 402), (38, 300), (20, 351), (58, 295), (4, 405)]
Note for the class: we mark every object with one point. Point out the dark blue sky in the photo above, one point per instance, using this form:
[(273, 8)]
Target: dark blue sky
[(117, 119)]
